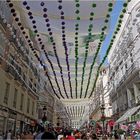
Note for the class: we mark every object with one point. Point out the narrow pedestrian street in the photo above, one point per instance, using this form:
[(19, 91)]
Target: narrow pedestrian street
[(70, 69)]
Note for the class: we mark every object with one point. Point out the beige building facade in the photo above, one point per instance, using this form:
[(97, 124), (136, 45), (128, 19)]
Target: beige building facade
[(18, 78)]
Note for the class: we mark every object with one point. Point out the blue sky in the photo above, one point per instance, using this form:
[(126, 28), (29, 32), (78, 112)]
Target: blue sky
[(114, 17)]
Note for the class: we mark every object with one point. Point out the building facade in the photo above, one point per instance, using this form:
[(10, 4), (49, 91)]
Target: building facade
[(19, 82), (60, 117), (101, 96), (47, 100), (125, 63)]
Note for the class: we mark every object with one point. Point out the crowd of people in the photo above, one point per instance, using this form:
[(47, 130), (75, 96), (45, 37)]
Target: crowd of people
[(49, 133)]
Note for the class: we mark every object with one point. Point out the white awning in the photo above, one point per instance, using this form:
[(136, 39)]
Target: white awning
[(127, 114)]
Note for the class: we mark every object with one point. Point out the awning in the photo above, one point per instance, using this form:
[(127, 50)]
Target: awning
[(127, 114)]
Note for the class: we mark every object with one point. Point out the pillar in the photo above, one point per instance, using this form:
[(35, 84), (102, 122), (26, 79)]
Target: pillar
[(129, 97), (136, 92)]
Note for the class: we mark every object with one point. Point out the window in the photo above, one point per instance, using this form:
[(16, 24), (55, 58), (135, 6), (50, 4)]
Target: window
[(131, 60), (7, 90), (28, 105), (126, 66), (33, 106), (15, 98), (21, 101)]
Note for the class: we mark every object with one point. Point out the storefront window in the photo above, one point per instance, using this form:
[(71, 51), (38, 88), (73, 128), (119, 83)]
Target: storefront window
[(2, 121), (11, 124)]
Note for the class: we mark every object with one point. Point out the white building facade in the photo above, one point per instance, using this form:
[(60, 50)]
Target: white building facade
[(101, 97), (124, 59)]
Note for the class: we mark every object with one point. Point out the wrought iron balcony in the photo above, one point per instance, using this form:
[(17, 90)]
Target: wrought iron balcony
[(133, 102), (132, 69), (4, 26)]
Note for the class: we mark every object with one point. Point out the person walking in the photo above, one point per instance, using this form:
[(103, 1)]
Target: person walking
[(28, 136), (9, 135)]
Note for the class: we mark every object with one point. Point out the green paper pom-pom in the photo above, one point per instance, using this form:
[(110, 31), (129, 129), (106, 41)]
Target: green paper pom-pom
[(114, 36), (107, 15), (110, 4), (90, 26), (91, 18), (78, 18), (102, 33), (93, 5), (106, 20), (110, 9), (125, 5), (124, 10), (77, 25), (120, 21), (121, 16), (77, 11), (91, 14), (77, 5)]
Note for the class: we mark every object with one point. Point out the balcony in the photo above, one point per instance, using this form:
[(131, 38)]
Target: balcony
[(138, 97), (10, 70), (125, 107), (3, 25), (131, 70), (132, 102)]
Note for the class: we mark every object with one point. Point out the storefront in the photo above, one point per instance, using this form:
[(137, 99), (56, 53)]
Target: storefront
[(20, 123), (128, 116), (26, 125), (33, 125), (11, 121), (2, 124), (3, 116)]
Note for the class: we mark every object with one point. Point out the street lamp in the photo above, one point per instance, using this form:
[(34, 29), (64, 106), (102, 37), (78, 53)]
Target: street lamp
[(44, 118), (103, 118)]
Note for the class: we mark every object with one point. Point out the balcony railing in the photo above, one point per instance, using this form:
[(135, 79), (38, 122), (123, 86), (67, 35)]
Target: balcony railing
[(14, 72), (125, 106), (133, 102), (133, 68), (19, 50), (138, 97), (4, 26)]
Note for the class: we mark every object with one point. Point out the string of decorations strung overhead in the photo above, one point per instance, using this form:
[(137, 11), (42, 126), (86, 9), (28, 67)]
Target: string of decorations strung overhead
[(48, 25), (86, 47), (111, 43), (31, 17), (110, 5), (14, 14), (77, 12), (65, 43)]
